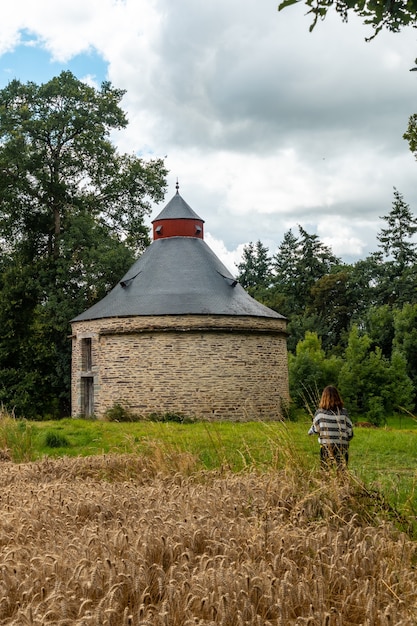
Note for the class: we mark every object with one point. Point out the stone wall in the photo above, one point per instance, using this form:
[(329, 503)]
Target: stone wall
[(213, 367)]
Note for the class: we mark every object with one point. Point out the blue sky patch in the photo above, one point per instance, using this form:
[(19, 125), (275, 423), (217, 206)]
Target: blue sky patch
[(31, 62)]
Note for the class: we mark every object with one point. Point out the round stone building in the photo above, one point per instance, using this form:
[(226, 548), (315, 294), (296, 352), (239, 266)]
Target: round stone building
[(179, 334)]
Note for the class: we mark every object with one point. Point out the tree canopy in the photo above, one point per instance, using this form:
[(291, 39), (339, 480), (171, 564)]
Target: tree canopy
[(72, 214)]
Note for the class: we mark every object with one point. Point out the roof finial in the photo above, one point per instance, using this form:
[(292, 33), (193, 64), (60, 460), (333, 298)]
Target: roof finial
[(177, 186)]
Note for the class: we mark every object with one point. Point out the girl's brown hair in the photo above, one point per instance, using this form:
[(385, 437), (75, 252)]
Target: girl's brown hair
[(330, 399)]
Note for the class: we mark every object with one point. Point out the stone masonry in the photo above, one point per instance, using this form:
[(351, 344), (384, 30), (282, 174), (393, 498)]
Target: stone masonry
[(206, 366)]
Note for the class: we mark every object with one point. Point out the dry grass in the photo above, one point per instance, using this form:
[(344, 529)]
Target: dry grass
[(114, 541)]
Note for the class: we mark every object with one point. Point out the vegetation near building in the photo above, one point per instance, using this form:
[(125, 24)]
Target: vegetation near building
[(350, 325)]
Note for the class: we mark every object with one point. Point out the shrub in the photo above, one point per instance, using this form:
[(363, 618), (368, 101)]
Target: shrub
[(55, 440), (120, 413), (179, 418)]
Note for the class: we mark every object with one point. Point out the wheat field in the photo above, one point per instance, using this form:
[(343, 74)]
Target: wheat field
[(114, 540)]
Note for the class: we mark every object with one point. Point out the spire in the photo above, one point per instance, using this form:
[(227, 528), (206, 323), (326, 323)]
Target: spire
[(177, 186)]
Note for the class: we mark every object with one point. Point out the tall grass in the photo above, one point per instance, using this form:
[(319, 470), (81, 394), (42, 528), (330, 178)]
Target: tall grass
[(16, 438), (123, 539)]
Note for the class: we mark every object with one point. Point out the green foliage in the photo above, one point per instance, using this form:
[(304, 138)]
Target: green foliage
[(55, 440), (401, 390), (405, 340), (332, 302), (120, 413), (411, 133), (379, 324), (255, 268), (297, 266), (323, 297), (170, 416), (396, 240), (310, 372), (378, 14), (376, 413), (372, 385), (71, 220)]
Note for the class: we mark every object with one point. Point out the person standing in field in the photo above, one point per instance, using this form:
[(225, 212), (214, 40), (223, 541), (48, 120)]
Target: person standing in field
[(332, 424)]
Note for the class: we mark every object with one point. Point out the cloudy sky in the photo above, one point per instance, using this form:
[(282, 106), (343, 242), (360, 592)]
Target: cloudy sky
[(265, 125)]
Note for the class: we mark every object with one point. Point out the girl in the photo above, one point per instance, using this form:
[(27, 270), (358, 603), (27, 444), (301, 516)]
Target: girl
[(332, 424)]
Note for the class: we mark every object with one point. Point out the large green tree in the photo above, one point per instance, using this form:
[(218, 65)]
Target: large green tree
[(72, 214)]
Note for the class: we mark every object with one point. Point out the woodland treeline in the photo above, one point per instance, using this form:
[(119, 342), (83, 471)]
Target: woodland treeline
[(352, 325)]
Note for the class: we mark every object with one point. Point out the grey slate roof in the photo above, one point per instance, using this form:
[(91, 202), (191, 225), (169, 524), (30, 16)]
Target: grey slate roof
[(174, 276), (177, 208)]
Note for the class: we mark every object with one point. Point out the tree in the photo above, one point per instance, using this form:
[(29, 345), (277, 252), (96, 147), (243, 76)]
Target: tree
[(411, 133), (298, 264), (392, 15), (379, 324), (400, 389), (56, 161), (405, 340), (285, 262), (366, 277), (71, 220), (396, 240), (255, 268), (371, 384), (333, 303), (352, 382), (310, 371)]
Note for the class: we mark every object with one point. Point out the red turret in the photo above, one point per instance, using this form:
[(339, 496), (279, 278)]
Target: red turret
[(178, 219)]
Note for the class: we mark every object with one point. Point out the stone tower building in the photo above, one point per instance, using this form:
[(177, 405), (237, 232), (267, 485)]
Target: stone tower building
[(180, 334)]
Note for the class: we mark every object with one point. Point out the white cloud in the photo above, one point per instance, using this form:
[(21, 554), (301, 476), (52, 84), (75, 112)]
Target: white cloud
[(230, 258), (266, 125)]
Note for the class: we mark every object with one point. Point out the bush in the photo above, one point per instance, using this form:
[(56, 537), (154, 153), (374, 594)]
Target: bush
[(179, 418), (55, 440), (119, 413)]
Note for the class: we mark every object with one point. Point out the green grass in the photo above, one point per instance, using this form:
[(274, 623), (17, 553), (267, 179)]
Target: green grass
[(384, 459)]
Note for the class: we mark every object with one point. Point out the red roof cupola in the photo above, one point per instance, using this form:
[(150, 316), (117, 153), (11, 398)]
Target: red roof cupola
[(177, 219)]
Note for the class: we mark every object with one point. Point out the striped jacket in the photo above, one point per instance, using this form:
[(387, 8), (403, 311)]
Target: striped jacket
[(332, 428)]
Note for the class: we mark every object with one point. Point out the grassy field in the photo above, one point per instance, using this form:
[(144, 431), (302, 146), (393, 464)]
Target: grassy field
[(384, 459), (163, 524)]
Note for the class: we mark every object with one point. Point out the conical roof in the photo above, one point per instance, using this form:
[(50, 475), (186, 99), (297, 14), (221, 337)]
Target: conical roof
[(177, 275), (177, 209)]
